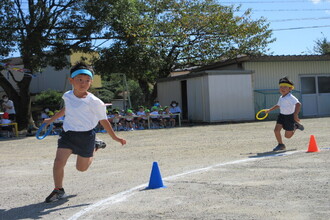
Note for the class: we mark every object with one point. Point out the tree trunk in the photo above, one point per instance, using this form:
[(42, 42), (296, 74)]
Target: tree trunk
[(153, 95), (23, 110), (144, 85), (20, 97)]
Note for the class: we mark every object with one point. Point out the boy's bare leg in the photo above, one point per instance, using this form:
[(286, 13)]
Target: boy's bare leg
[(83, 163), (277, 131), (289, 134), (61, 158)]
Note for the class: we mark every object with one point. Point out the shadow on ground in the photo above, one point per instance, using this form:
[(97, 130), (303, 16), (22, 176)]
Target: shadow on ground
[(271, 153), (37, 210)]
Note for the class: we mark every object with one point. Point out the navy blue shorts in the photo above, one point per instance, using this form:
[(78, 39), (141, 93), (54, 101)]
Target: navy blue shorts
[(81, 143), (287, 121)]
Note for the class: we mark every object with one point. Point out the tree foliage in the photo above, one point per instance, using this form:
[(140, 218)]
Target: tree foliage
[(149, 38), (322, 46), (45, 32), (155, 37), (114, 87), (49, 98), (7, 19)]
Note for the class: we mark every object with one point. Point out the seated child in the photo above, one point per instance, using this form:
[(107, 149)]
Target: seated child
[(9, 128), (129, 120), (155, 117), (141, 120), (116, 121), (168, 119)]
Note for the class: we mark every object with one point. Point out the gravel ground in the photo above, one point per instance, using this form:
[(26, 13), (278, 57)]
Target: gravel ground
[(210, 172)]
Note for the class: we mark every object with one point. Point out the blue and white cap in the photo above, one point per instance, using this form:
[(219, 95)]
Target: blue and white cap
[(82, 71)]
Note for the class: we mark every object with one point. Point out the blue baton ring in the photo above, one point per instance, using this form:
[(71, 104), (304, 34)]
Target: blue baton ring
[(46, 133)]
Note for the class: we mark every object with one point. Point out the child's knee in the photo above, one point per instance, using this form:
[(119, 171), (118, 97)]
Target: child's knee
[(288, 134), (82, 168)]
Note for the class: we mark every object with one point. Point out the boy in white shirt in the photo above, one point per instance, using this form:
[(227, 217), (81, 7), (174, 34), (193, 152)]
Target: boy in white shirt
[(289, 109), (82, 111)]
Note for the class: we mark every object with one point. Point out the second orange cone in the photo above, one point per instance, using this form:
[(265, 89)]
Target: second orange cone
[(312, 145)]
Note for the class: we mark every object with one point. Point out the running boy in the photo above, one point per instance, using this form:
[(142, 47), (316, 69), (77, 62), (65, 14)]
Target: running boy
[(289, 109), (82, 112)]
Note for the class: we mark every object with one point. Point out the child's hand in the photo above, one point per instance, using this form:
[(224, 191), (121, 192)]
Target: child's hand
[(267, 111), (46, 121), (296, 118), (122, 141)]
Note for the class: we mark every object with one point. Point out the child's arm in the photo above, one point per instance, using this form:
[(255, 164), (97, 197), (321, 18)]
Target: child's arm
[(272, 108), (6, 106), (107, 126), (59, 114), (296, 112)]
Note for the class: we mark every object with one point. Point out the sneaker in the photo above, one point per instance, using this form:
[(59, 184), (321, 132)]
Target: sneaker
[(299, 126), (279, 147), (99, 144), (57, 194)]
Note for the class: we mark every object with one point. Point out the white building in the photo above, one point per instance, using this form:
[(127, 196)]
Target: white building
[(234, 90), (49, 77)]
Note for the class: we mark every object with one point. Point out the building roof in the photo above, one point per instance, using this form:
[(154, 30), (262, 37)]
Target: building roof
[(278, 58), (207, 69)]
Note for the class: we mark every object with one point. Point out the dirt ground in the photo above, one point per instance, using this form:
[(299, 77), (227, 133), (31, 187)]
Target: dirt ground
[(210, 172)]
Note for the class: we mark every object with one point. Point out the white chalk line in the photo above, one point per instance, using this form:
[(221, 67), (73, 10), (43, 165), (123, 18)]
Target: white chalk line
[(122, 196)]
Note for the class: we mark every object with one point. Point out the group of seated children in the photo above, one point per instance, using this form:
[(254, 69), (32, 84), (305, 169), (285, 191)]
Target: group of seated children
[(129, 121)]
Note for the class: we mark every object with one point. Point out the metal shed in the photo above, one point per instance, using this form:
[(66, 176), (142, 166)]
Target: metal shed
[(212, 89), (211, 95), (310, 73)]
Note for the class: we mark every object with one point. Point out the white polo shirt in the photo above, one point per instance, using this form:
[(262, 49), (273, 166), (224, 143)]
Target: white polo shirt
[(11, 110), (287, 104), (82, 114)]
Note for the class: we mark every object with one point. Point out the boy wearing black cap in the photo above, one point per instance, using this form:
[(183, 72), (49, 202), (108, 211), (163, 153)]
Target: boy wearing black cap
[(83, 111), (288, 118)]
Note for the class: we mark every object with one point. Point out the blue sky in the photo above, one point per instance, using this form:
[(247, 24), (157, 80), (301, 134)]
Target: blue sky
[(296, 24)]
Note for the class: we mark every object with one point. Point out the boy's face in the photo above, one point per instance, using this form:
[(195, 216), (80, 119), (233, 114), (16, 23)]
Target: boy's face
[(285, 90), (81, 83)]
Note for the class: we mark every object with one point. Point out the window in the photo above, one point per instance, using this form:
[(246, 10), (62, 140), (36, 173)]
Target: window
[(324, 84), (308, 85)]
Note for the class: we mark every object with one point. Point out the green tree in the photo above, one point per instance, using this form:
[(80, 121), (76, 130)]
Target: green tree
[(113, 87), (322, 46), (45, 32), (49, 98), (155, 37)]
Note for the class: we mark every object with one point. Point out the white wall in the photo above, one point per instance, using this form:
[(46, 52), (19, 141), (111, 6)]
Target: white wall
[(198, 99), (267, 74), (51, 79), (213, 96), (169, 91), (231, 97)]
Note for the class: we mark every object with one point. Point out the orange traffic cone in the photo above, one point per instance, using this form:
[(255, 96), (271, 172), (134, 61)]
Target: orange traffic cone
[(312, 145)]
